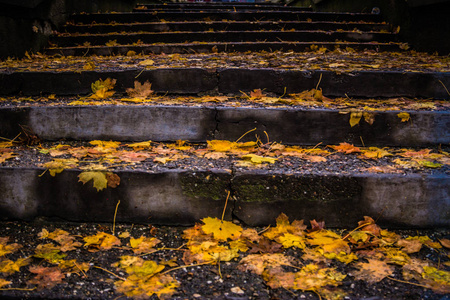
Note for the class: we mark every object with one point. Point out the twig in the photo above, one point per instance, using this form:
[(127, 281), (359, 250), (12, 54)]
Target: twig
[(445, 87), (225, 207), (407, 282), (245, 134), (264, 230), (360, 226), (314, 291), (81, 270), (320, 79), (267, 136), (17, 289), (187, 266), (114, 221), (121, 278)]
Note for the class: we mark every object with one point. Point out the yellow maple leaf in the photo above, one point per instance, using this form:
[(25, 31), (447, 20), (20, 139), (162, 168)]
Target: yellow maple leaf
[(99, 179), (6, 248), (60, 164), (101, 241), (374, 152), (143, 244), (9, 267), (257, 263), (222, 230), (103, 89), (290, 240)]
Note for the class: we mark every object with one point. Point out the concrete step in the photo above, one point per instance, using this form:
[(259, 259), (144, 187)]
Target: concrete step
[(222, 36), (222, 47), (223, 26), (194, 120), (232, 80), (223, 6), (339, 190), (106, 18)]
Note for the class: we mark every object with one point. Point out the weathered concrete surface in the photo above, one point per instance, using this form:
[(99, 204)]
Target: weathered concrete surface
[(310, 127), (185, 196), (352, 84), (343, 200), (199, 124), (212, 47), (228, 80), (122, 123), (189, 80), (171, 197)]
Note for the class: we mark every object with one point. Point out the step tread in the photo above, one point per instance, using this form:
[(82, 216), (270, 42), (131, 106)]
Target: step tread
[(322, 59), (320, 160)]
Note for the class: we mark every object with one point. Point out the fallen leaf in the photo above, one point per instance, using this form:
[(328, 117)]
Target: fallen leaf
[(99, 179), (222, 230), (9, 267), (404, 116), (46, 278), (141, 91), (143, 244), (373, 271), (101, 241), (346, 148)]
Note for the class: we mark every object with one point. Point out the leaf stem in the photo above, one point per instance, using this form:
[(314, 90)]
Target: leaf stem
[(407, 282), (245, 134), (360, 226), (121, 278), (114, 221), (188, 266), (225, 207)]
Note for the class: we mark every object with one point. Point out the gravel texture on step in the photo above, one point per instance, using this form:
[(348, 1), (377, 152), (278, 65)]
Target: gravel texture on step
[(337, 61), (198, 282)]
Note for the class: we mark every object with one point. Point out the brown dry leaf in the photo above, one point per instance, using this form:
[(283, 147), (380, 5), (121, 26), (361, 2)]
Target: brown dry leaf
[(101, 241), (370, 226), (141, 91), (373, 271), (46, 278), (256, 94), (445, 243), (112, 179), (382, 169), (315, 226), (410, 246), (264, 245), (257, 263)]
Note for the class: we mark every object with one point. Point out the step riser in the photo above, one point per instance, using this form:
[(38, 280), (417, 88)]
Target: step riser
[(238, 36), (223, 26), (173, 197), (290, 126), (184, 7), (193, 81), (220, 47), (219, 16), (222, 9)]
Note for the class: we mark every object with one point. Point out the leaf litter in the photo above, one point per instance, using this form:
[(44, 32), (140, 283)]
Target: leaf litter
[(163, 262)]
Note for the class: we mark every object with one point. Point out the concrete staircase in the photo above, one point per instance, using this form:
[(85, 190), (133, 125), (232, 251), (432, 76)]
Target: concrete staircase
[(190, 52)]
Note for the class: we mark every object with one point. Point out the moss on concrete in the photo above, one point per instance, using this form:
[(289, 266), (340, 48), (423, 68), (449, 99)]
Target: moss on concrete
[(206, 185)]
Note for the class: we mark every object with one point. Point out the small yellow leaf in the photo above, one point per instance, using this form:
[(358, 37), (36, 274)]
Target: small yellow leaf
[(355, 118), (147, 62), (404, 116), (256, 159), (98, 178)]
